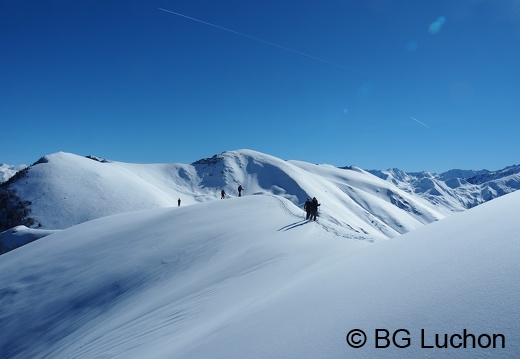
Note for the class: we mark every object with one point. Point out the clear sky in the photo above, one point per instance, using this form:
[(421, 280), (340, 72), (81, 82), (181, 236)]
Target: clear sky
[(419, 85)]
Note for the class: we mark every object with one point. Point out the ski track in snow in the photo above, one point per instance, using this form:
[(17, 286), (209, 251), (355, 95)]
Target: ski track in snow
[(319, 222)]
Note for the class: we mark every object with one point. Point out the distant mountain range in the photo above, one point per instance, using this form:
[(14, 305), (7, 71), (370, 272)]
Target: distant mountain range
[(458, 189), (63, 189)]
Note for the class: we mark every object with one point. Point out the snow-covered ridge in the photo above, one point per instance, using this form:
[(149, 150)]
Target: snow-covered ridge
[(19, 236), (457, 189), (8, 171), (248, 278), (66, 189)]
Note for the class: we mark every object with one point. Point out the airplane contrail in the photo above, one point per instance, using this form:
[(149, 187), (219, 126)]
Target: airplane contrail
[(416, 120), (265, 42)]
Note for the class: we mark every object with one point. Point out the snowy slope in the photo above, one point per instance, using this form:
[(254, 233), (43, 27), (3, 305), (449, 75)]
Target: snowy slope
[(456, 189), (66, 189), (19, 236), (247, 278), (8, 171)]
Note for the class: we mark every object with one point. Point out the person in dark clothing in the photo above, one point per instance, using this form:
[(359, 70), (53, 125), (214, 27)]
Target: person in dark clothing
[(222, 194), (240, 189), (307, 207), (179, 202), (314, 206)]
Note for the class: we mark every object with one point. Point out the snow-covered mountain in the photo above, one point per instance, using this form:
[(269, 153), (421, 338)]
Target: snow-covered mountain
[(65, 189), (8, 171), (248, 278), (457, 189)]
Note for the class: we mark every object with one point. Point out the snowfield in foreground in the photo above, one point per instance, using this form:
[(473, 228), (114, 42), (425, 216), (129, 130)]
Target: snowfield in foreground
[(248, 278)]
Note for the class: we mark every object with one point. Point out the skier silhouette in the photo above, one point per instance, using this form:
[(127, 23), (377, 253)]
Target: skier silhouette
[(222, 194), (240, 189)]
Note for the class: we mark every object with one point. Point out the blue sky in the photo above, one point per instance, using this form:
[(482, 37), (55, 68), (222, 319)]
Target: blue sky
[(419, 85)]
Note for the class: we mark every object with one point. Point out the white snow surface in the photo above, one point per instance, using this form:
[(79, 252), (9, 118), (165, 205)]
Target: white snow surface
[(8, 171), (247, 278), (19, 236), (69, 189), (455, 189)]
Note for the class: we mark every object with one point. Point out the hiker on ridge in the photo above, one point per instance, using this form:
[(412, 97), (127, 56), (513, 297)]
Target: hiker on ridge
[(307, 207), (314, 208)]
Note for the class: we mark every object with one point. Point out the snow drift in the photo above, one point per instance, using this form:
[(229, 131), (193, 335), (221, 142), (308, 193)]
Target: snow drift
[(19, 236), (247, 277)]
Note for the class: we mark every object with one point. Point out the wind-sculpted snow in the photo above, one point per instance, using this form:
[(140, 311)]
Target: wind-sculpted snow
[(63, 288), (248, 278)]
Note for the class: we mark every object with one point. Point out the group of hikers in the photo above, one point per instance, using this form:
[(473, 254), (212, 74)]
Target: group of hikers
[(311, 208), (223, 193)]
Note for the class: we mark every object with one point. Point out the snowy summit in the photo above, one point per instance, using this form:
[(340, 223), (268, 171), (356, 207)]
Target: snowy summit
[(66, 189)]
